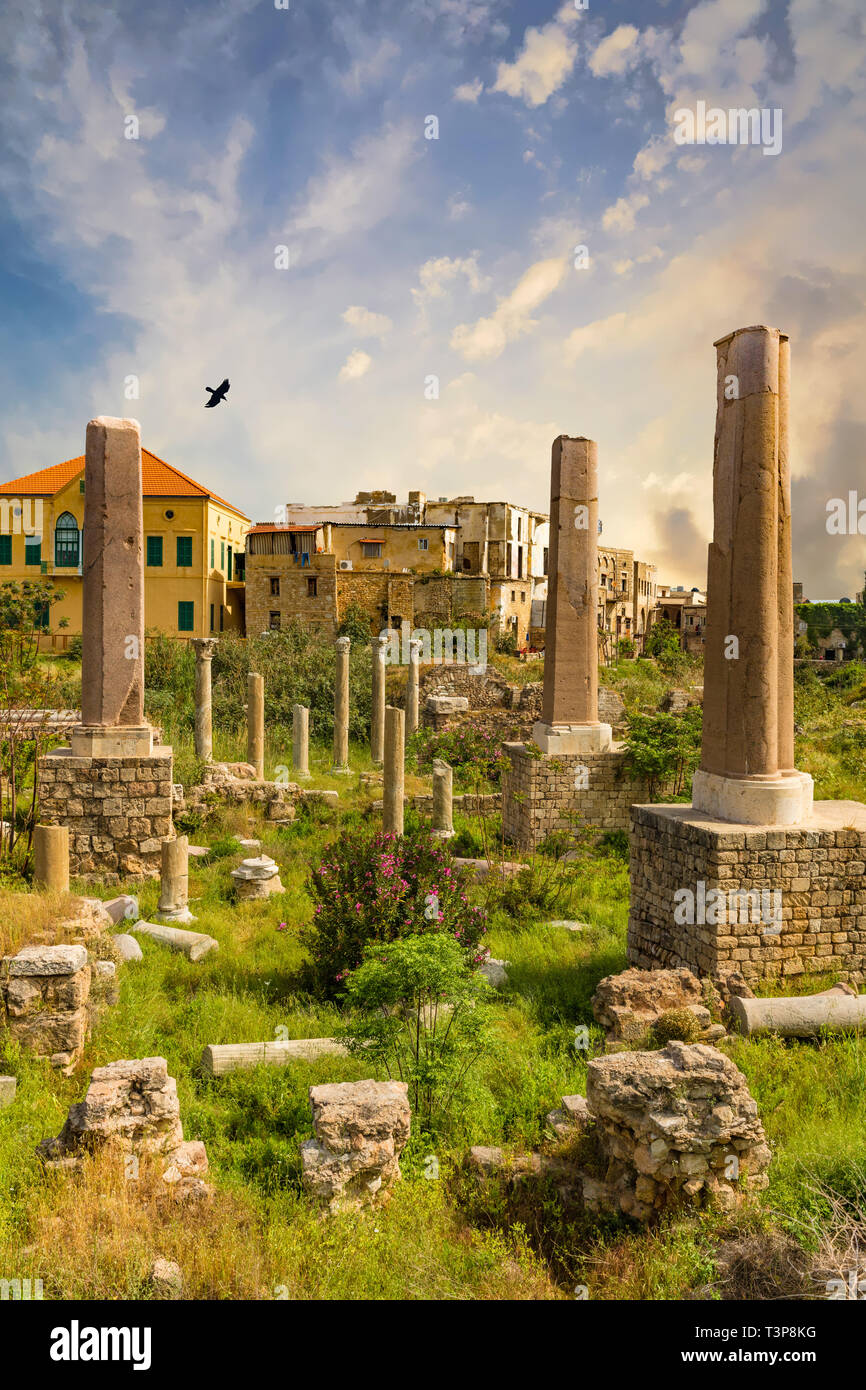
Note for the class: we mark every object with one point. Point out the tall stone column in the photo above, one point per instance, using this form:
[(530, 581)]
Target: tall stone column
[(256, 723), (204, 649), (443, 781), (51, 857), (412, 685), (569, 715), (112, 614), (747, 773), (174, 881), (393, 773), (378, 647), (301, 741), (341, 708)]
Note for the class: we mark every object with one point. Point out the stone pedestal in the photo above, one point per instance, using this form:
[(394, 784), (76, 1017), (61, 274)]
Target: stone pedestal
[(688, 865), (44, 993), (118, 811), (51, 857), (257, 878), (341, 709), (378, 647), (301, 742), (204, 649)]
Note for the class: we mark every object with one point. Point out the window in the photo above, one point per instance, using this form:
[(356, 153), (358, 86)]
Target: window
[(274, 622), (186, 617), (81, 486), (522, 595), (211, 614), (520, 562), (519, 522), (5, 550), (154, 550), (66, 541), (371, 550), (513, 596), (546, 559), (229, 558), (312, 588), (184, 551), (222, 555), (508, 559), (423, 543), (275, 586), (33, 550), (222, 617), (212, 552)]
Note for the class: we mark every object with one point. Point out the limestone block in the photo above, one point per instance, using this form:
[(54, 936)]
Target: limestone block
[(361, 1128)]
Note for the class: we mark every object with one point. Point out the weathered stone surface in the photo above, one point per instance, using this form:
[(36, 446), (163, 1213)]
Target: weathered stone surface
[(8, 1087), (220, 1058), (122, 909), (47, 960), (485, 1160), (194, 945), (627, 1004), (127, 947), (676, 1126), (361, 1128), (44, 993), (257, 878), (445, 704), (129, 1105), (166, 1278), (494, 972), (836, 1010)]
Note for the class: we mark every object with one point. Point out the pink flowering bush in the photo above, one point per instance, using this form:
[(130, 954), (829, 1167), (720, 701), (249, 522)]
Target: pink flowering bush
[(372, 886), (469, 748)]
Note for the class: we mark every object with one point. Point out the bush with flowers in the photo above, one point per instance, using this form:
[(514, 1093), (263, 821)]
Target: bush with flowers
[(469, 749), (373, 886)]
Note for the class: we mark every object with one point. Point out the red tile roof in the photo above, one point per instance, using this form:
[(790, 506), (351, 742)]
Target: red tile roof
[(158, 479)]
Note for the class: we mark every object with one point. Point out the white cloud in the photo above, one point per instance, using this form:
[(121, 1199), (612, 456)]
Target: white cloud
[(355, 192), (543, 64), (356, 365), (616, 53), (435, 275), (458, 206), (365, 323), (469, 91), (620, 217), (488, 337)]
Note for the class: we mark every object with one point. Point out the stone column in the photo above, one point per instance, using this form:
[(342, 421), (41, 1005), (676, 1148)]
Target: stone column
[(392, 780), (747, 773), (256, 723), (112, 612), (341, 708), (174, 881), (301, 741), (204, 649), (412, 684), (378, 647), (443, 778), (569, 716), (51, 857)]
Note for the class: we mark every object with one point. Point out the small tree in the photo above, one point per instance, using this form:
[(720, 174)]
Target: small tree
[(421, 1016), (664, 748)]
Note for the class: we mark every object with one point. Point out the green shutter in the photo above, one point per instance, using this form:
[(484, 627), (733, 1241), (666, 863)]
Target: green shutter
[(211, 552), (5, 550), (32, 551), (154, 550), (222, 555), (184, 551), (186, 617)]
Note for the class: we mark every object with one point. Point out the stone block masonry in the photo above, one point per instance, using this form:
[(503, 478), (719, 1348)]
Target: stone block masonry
[(118, 811), (819, 870), (544, 794)]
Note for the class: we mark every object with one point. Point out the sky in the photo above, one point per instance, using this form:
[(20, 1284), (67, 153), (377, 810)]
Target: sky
[(422, 238)]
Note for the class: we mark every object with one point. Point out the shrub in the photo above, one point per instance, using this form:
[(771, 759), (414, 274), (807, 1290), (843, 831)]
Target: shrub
[(679, 1024), (664, 748), (468, 747), (506, 642), (374, 886), (421, 1017)]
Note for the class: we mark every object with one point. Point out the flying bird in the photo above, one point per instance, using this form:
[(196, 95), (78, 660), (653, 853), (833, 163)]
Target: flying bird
[(217, 395)]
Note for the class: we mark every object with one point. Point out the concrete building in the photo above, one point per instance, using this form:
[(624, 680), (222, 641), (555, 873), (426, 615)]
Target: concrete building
[(193, 548)]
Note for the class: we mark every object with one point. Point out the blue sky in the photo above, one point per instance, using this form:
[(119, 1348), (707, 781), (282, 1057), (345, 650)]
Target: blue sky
[(451, 257)]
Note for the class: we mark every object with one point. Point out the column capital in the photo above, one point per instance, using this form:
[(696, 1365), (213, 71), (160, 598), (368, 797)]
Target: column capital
[(204, 648)]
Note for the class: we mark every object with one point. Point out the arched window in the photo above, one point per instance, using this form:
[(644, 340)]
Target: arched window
[(66, 541)]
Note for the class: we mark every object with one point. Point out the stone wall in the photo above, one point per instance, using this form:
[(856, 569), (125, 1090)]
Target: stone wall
[(443, 597), (483, 690), (382, 594), (540, 795), (818, 870), (44, 994), (294, 602), (118, 811)]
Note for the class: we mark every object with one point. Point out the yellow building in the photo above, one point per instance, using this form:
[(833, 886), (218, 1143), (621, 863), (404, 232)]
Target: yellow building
[(193, 547)]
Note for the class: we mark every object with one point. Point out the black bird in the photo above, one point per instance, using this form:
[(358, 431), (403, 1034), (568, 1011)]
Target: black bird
[(217, 395)]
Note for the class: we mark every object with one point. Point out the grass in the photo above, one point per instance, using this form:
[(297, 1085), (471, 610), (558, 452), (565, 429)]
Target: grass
[(96, 1234)]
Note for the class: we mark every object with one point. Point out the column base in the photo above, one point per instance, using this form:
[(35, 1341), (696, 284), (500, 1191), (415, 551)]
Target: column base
[(752, 800), (178, 914), (443, 834), (341, 772), (111, 741), (572, 738)]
